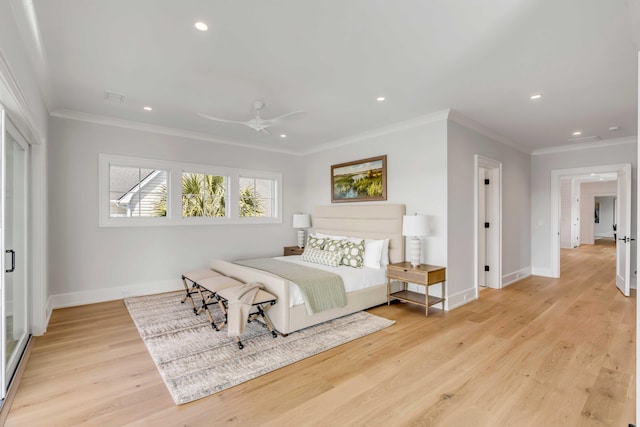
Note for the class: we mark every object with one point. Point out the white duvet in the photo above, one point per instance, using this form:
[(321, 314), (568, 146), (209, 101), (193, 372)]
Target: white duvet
[(354, 278)]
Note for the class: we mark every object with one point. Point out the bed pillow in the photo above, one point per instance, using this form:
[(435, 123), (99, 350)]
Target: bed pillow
[(315, 242), (333, 245), (318, 256), (353, 254), (372, 253), (384, 256)]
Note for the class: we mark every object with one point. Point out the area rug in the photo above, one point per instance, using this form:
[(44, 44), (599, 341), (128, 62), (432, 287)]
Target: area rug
[(196, 361)]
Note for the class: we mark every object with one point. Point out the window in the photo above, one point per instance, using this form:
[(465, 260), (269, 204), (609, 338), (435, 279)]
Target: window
[(257, 197), (203, 195), (138, 192)]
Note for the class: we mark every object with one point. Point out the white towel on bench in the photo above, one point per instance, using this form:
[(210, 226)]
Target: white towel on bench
[(240, 299)]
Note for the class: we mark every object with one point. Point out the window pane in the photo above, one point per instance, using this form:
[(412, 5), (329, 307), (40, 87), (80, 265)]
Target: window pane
[(256, 197), (203, 195), (137, 192)]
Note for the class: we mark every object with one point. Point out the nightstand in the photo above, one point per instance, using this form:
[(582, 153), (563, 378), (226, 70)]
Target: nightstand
[(293, 250), (424, 275)]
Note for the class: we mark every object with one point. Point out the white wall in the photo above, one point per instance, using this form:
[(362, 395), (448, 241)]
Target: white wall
[(416, 171), (566, 213), (463, 144), (607, 153), (88, 263)]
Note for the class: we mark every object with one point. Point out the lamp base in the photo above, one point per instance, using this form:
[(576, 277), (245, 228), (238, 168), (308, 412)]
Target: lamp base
[(300, 238), (414, 248)]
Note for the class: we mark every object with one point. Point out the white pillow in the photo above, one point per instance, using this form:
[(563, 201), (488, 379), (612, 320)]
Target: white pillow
[(372, 253), (384, 256)]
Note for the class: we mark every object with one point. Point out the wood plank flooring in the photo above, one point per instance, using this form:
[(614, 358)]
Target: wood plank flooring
[(541, 352)]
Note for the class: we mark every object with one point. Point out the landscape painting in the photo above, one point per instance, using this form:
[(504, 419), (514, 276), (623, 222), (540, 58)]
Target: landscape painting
[(360, 180)]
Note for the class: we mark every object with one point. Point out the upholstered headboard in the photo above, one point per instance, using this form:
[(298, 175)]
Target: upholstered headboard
[(366, 221)]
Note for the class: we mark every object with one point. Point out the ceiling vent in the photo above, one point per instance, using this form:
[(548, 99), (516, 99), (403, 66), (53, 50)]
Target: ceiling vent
[(113, 97), (585, 139)]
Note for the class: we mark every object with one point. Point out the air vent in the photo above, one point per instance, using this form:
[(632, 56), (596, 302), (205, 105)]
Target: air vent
[(585, 139), (113, 97)]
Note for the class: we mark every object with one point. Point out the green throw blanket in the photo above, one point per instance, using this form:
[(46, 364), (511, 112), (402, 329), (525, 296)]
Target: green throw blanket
[(321, 290)]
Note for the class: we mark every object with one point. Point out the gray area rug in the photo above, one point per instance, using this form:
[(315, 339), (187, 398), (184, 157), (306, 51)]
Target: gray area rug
[(195, 361)]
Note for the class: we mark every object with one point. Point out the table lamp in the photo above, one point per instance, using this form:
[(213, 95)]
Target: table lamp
[(301, 221), (414, 226)]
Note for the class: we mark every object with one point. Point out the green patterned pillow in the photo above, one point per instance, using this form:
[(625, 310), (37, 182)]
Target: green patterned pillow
[(315, 242), (318, 256), (333, 245), (353, 253)]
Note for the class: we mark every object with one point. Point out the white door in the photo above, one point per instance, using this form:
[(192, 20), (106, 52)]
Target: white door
[(623, 244), (489, 223), (482, 234), (15, 326)]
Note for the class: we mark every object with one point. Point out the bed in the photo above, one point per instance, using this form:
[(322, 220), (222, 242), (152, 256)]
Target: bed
[(383, 221)]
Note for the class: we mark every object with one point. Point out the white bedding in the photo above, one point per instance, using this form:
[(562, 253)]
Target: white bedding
[(354, 278)]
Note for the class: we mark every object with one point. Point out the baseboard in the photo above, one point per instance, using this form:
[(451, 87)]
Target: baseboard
[(461, 298), (511, 278), (109, 294), (541, 271)]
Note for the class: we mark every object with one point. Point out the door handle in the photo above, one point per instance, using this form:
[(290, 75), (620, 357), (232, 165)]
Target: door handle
[(13, 260)]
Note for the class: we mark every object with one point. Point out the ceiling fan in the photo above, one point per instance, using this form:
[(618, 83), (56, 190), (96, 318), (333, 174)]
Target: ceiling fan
[(259, 124)]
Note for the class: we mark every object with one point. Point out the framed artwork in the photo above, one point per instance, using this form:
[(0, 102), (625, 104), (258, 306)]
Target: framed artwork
[(597, 213), (359, 181)]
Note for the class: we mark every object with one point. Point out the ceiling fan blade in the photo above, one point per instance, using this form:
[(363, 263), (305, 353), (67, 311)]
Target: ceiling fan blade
[(218, 119), (286, 115)]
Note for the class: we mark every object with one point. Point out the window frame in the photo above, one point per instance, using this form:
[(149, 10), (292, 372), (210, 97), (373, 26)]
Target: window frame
[(174, 193)]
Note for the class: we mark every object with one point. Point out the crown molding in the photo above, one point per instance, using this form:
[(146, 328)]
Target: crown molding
[(18, 103), (586, 145), (163, 130), (465, 121), (385, 130)]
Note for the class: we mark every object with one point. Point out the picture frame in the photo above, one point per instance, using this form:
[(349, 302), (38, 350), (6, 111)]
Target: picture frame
[(362, 180)]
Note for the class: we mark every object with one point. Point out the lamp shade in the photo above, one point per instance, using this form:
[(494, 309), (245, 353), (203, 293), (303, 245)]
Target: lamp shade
[(301, 221), (414, 225)]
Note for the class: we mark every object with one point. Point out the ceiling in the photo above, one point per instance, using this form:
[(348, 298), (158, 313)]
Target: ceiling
[(333, 58)]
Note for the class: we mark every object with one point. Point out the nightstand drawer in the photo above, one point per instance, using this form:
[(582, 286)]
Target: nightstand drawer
[(408, 275)]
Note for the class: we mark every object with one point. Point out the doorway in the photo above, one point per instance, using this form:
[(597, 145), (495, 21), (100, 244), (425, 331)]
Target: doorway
[(14, 284), (622, 172)]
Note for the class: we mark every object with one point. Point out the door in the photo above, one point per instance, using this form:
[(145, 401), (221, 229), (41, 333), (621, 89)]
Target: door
[(488, 208), (623, 242), (13, 232), (482, 232)]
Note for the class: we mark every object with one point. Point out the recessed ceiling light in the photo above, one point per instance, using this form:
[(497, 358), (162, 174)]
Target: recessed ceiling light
[(202, 26), (282, 135), (593, 174), (380, 98), (614, 128), (148, 108), (536, 96), (576, 133)]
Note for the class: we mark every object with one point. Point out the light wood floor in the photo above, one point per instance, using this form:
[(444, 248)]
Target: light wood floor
[(542, 352)]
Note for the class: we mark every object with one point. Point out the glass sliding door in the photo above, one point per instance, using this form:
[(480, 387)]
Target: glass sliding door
[(13, 233)]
